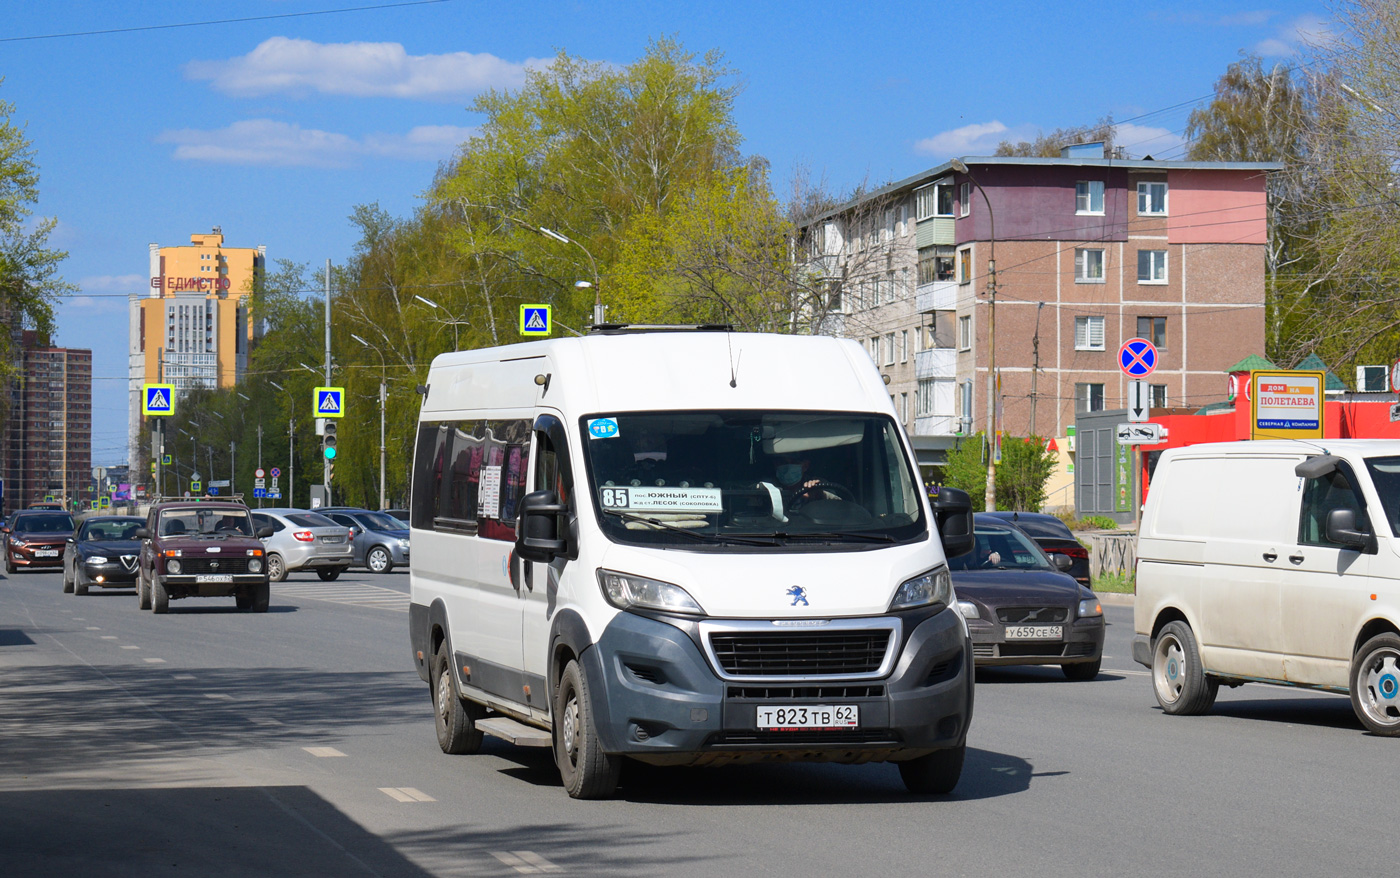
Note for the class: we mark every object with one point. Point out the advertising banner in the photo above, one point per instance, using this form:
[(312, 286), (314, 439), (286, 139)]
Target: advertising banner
[(1286, 405)]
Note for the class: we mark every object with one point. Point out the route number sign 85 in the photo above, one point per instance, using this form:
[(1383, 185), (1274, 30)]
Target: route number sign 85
[(615, 498)]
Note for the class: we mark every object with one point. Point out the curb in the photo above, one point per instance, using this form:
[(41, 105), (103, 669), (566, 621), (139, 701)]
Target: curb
[(1116, 599)]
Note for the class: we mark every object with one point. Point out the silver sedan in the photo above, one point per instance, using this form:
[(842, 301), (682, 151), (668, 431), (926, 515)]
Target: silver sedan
[(303, 540)]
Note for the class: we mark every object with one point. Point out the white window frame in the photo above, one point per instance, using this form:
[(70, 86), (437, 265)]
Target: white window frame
[(963, 269), (1084, 192), (965, 199), (889, 349), (904, 407), (923, 398), (1088, 333), (1084, 393), (875, 349), (1156, 269), (1145, 189), (904, 345), (1157, 396), (904, 219), (1082, 274), (965, 332), (965, 407)]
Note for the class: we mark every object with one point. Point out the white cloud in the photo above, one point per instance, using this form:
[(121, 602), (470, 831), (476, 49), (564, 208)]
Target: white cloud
[(301, 67), (1307, 31), (1142, 140), (979, 138), (114, 283), (283, 144)]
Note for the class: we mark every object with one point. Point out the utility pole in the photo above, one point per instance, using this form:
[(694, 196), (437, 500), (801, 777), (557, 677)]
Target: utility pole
[(382, 396), (325, 461), (1035, 368), (232, 469), (259, 455)]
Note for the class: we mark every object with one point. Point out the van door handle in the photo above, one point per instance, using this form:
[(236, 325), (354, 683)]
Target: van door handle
[(1271, 556), (1296, 559)]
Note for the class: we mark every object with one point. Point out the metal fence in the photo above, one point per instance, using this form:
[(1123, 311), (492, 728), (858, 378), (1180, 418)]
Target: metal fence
[(1111, 552)]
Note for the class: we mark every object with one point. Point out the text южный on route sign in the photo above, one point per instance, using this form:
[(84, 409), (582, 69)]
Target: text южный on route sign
[(1137, 358)]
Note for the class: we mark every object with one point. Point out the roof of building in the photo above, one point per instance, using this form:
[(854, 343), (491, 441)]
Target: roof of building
[(1250, 363), (943, 170), (1313, 363)]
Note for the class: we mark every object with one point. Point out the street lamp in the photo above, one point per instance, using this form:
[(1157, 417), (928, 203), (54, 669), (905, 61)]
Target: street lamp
[(598, 309), (382, 395), (991, 497), (455, 323)]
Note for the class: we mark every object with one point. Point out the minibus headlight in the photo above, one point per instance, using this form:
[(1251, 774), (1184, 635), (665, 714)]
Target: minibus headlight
[(1090, 607), (625, 591), (933, 587)]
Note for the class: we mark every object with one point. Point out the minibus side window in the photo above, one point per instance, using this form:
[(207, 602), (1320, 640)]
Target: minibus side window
[(1321, 496), (501, 475), (427, 474)]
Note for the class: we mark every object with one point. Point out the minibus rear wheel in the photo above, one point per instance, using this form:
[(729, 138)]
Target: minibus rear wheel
[(587, 771), (455, 719)]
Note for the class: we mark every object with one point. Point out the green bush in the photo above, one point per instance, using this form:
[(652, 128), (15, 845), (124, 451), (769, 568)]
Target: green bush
[(1025, 466)]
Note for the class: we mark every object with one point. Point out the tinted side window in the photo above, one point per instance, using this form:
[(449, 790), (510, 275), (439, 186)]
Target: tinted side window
[(1321, 496), (428, 462), (469, 476)]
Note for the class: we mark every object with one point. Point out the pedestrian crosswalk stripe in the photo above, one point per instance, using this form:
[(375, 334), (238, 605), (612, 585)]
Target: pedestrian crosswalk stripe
[(372, 597)]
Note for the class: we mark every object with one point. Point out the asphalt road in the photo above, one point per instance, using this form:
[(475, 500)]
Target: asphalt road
[(212, 742)]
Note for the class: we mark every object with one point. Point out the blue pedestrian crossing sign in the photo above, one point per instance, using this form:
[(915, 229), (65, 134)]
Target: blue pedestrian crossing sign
[(330, 402), (158, 399), (535, 320), (196, 487)]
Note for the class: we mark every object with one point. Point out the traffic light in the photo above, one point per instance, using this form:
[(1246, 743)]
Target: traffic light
[(328, 440)]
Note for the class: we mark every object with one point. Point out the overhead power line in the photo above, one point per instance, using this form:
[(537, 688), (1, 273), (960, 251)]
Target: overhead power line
[(127, 30)]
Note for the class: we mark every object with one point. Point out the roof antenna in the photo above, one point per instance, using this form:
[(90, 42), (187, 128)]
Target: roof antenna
[(733, 382)]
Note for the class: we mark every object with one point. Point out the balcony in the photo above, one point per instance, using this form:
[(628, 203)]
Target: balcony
[(935, 363), (936, 425), (939, 296)]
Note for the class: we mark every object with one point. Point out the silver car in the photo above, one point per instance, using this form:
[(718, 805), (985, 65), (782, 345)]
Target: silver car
[(303, 540), (381, 541)]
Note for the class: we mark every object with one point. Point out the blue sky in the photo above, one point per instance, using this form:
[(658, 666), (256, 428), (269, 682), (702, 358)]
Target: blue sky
[(275, 129)]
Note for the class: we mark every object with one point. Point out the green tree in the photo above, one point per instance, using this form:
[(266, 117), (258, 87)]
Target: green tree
[(1025, 467), (1049, 145)]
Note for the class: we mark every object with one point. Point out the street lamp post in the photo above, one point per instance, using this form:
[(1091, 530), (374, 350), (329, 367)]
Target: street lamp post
[(598, 309), (991, 496), (456, 345), (382, 395), (291, 446)]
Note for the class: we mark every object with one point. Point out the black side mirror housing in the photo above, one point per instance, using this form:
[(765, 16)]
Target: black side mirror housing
[(266, 531), (142, 533), (1342, 528), (537, 531), (952, 512), (1061, 561)]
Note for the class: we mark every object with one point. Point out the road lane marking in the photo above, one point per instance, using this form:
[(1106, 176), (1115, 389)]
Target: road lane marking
[(183, 677), (526, 862), (406, 794), (323, 752), (264, 721), (154, 661), (219, 696), (93, 628), (109, 637), (131, 647), (373, 597), (538, 861), (1129, 673)]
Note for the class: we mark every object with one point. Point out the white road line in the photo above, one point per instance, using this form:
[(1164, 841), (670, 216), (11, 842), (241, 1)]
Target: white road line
[(93, 628), (1129, 673), (154, 661), (323, 752), (183, 677), (372, 597), (109, 637), (406, 794), (538, 861), (131, 647), (515, 863), (219, 696), (264, 721)]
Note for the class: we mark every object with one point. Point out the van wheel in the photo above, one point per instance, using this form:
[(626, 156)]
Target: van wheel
[(1375, 684), (1178, 678), (937, 773), (1082, 671), (455, 718), (587, 771)]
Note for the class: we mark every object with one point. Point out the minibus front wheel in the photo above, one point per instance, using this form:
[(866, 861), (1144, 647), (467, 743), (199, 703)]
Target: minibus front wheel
[(587, 772)]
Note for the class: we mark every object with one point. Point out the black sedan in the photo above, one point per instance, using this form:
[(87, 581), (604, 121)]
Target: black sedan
[(103, 551), (1054, 536), (1021, 608)]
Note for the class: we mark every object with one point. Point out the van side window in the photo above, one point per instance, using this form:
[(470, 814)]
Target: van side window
[(1321, 496), (469, 476), (427, 474)]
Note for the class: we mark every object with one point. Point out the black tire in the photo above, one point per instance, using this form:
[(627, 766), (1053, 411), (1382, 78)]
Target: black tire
[(454, 718), (260, 596), (243, 600), (330, 574), (80, 583), (587, 772), (1375, 684), (934, 774), (276, 568), (67, 583), (160, 598), (379, 560), (143, 590), (1082, 671), (9, 562), (1178, 678)]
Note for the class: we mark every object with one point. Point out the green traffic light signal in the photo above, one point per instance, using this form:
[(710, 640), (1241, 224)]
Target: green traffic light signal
[(330, 452)]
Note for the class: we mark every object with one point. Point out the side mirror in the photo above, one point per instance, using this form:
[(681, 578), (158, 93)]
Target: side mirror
[(537, 527), (4, 528), (142, 533), (952, 512), (1342, 528), (1061, 561), (265, 532)]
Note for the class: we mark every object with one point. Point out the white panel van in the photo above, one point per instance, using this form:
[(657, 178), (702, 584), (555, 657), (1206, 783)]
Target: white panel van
[(684, 548), (1273, 561)]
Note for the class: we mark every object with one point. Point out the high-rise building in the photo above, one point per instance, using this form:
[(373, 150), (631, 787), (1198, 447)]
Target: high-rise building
[(193, 327), (46, 435)]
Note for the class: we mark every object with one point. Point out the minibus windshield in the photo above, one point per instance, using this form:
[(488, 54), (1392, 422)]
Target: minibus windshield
[(753, 479)]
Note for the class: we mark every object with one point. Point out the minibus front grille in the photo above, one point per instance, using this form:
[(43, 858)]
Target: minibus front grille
[(800, 653), (803, 737), (805, 693)]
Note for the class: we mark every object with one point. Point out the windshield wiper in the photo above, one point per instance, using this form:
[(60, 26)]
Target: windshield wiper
[(825, 535), (703, 537)]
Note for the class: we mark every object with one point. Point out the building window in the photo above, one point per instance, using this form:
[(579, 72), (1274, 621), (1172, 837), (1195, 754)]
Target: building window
[(1152, 266), (904, 408), (1088, 266), (1152, 199), (965, 333), (923, 398), (1088, 197), (889, 288), (889, 349), (875, 349), (1157, 396), (965, 198), (1088, 333), (936, 264), (904, 345), (965, 407), (965, 266), (1088, 398), (903, 220), (935, 200), (1154, 329)]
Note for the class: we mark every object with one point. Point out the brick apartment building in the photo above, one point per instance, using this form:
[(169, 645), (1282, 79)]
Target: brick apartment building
[(1089, 252), (46, 434)]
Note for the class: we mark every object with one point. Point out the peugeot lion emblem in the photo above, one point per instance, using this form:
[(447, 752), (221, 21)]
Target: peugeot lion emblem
[(798, 595)]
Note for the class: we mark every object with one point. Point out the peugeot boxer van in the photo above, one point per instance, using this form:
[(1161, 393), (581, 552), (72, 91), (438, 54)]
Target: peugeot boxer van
[(1273, 561), (684, 547)]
